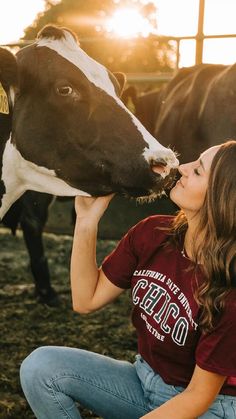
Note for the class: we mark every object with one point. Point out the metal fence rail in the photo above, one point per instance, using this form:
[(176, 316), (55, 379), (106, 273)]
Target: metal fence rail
[(158, 77)]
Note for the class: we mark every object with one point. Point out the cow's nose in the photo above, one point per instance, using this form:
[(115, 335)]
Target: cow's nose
[(161, 161), (164, 164), (160, 167), (171, 159)]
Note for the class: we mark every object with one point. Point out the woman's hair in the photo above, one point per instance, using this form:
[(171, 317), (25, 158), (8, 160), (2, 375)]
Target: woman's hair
[(217, 227)]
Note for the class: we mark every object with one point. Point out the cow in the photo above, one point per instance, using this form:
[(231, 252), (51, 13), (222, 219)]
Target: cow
[(71, 134), (145, 106), (30, 212), (194, 111)]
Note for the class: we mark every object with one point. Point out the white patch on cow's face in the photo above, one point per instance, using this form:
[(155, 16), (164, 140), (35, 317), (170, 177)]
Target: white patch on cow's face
[(98, 75), (14, 188), (68, 48), (167, 156), (20, 175)]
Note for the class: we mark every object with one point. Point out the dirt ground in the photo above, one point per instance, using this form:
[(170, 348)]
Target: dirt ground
[(26, 325)]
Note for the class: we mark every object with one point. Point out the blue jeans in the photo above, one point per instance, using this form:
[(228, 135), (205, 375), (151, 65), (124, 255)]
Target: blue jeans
[(54, 379)]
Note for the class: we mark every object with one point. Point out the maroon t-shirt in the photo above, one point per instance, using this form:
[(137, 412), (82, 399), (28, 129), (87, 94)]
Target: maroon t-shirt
[(165, 313)]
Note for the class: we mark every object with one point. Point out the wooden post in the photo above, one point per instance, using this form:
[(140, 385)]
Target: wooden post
[(177, 54), (200, 34)]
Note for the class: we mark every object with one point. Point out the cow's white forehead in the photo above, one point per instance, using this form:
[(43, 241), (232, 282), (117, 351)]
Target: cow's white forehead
[(69, 49)]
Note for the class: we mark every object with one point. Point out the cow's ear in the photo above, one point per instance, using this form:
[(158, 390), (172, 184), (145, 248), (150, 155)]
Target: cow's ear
[(121, 79), (55, 32), (130, 97), (8, 68)]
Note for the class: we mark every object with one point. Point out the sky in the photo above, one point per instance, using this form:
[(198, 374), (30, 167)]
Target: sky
[(175, 17), (15, 15)]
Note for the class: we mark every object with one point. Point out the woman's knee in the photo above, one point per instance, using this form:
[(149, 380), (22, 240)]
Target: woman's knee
[(37, 365)]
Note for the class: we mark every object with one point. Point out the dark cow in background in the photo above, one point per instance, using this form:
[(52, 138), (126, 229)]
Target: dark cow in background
[(145, 106), (195, 110), (71, 134), (30, 212)]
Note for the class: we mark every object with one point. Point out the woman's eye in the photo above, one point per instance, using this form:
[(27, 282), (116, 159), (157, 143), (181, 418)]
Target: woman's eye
[(196, 172), (64, 90)]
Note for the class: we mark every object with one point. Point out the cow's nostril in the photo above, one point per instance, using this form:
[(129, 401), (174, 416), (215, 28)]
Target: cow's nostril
[(160, 167)]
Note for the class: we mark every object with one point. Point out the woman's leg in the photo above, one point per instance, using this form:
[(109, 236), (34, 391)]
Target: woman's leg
[(157, 392), (54, 378), (224, 407)]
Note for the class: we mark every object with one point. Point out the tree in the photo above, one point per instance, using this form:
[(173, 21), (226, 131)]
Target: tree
[(87, 20), (81, 16)]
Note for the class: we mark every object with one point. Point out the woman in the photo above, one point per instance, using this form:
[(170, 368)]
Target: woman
[(182, 272)]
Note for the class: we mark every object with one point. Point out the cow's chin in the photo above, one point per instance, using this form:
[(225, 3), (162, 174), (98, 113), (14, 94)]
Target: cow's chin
[(142, 196), (159, 188), (156, 187)]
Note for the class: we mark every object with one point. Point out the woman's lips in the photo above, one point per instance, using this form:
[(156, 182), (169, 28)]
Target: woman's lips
[(179, 183)]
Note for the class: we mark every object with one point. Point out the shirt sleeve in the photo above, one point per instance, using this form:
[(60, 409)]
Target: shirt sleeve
[(216, 351), (120, 264), (141, 240)]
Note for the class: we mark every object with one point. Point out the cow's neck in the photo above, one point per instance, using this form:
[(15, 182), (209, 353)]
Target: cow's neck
[(5, 130), (19, 175), (11, 195), (12, 186)]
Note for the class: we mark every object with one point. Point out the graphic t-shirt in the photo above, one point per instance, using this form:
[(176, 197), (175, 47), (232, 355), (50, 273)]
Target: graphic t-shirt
[(165, 313)]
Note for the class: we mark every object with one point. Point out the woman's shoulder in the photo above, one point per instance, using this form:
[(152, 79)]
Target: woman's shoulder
[(151, 231), (155, 221)]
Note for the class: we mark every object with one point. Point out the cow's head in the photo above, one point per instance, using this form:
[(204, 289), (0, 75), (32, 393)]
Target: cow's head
[(71, 132)]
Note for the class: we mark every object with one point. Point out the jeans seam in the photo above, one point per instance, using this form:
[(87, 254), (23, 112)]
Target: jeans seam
[(64, 411), (101, 388), (222, 407), (233, 408)]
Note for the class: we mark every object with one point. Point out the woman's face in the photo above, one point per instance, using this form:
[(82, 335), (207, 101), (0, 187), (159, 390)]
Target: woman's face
[(190, 190)]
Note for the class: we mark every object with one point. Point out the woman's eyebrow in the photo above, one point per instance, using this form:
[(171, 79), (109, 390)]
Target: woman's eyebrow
[(201, 163)]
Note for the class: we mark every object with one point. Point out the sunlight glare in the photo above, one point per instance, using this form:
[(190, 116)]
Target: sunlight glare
[(187, 52), (128, 23), (222, 20), (17, 15), (174, 18), (177, 18), (180, 18), (219, 51)]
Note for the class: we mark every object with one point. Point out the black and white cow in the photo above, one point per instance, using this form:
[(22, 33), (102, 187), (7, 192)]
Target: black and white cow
[(71, 133)]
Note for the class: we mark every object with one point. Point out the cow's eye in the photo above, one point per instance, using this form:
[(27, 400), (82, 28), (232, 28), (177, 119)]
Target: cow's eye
[(64, 90)]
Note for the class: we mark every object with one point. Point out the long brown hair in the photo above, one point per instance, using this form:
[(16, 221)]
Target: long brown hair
[(217, 226)]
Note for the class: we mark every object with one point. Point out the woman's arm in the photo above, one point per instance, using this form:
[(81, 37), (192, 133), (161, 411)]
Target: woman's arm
[(90, 287), (194, 400)]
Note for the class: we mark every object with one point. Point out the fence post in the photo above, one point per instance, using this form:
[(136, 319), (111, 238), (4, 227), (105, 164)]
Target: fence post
[(200, 34)]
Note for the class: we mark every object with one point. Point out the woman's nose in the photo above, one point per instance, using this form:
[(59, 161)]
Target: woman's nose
[(183, 169)]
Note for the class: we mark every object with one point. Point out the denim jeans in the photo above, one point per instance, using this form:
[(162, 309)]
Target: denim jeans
[(54, 379)]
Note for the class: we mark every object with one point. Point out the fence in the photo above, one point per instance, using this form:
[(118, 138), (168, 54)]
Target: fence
[(139, 78)]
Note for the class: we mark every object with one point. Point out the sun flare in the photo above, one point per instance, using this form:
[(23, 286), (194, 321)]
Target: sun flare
[(13, 23), (178, 18), (129, 23)]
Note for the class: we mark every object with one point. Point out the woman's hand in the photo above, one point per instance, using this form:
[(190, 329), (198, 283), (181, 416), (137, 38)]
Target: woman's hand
[(90, 208), (194, 401), (90, 287)]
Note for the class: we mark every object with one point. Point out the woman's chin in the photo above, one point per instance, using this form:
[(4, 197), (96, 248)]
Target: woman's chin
[(172, 195), (174, 198)]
